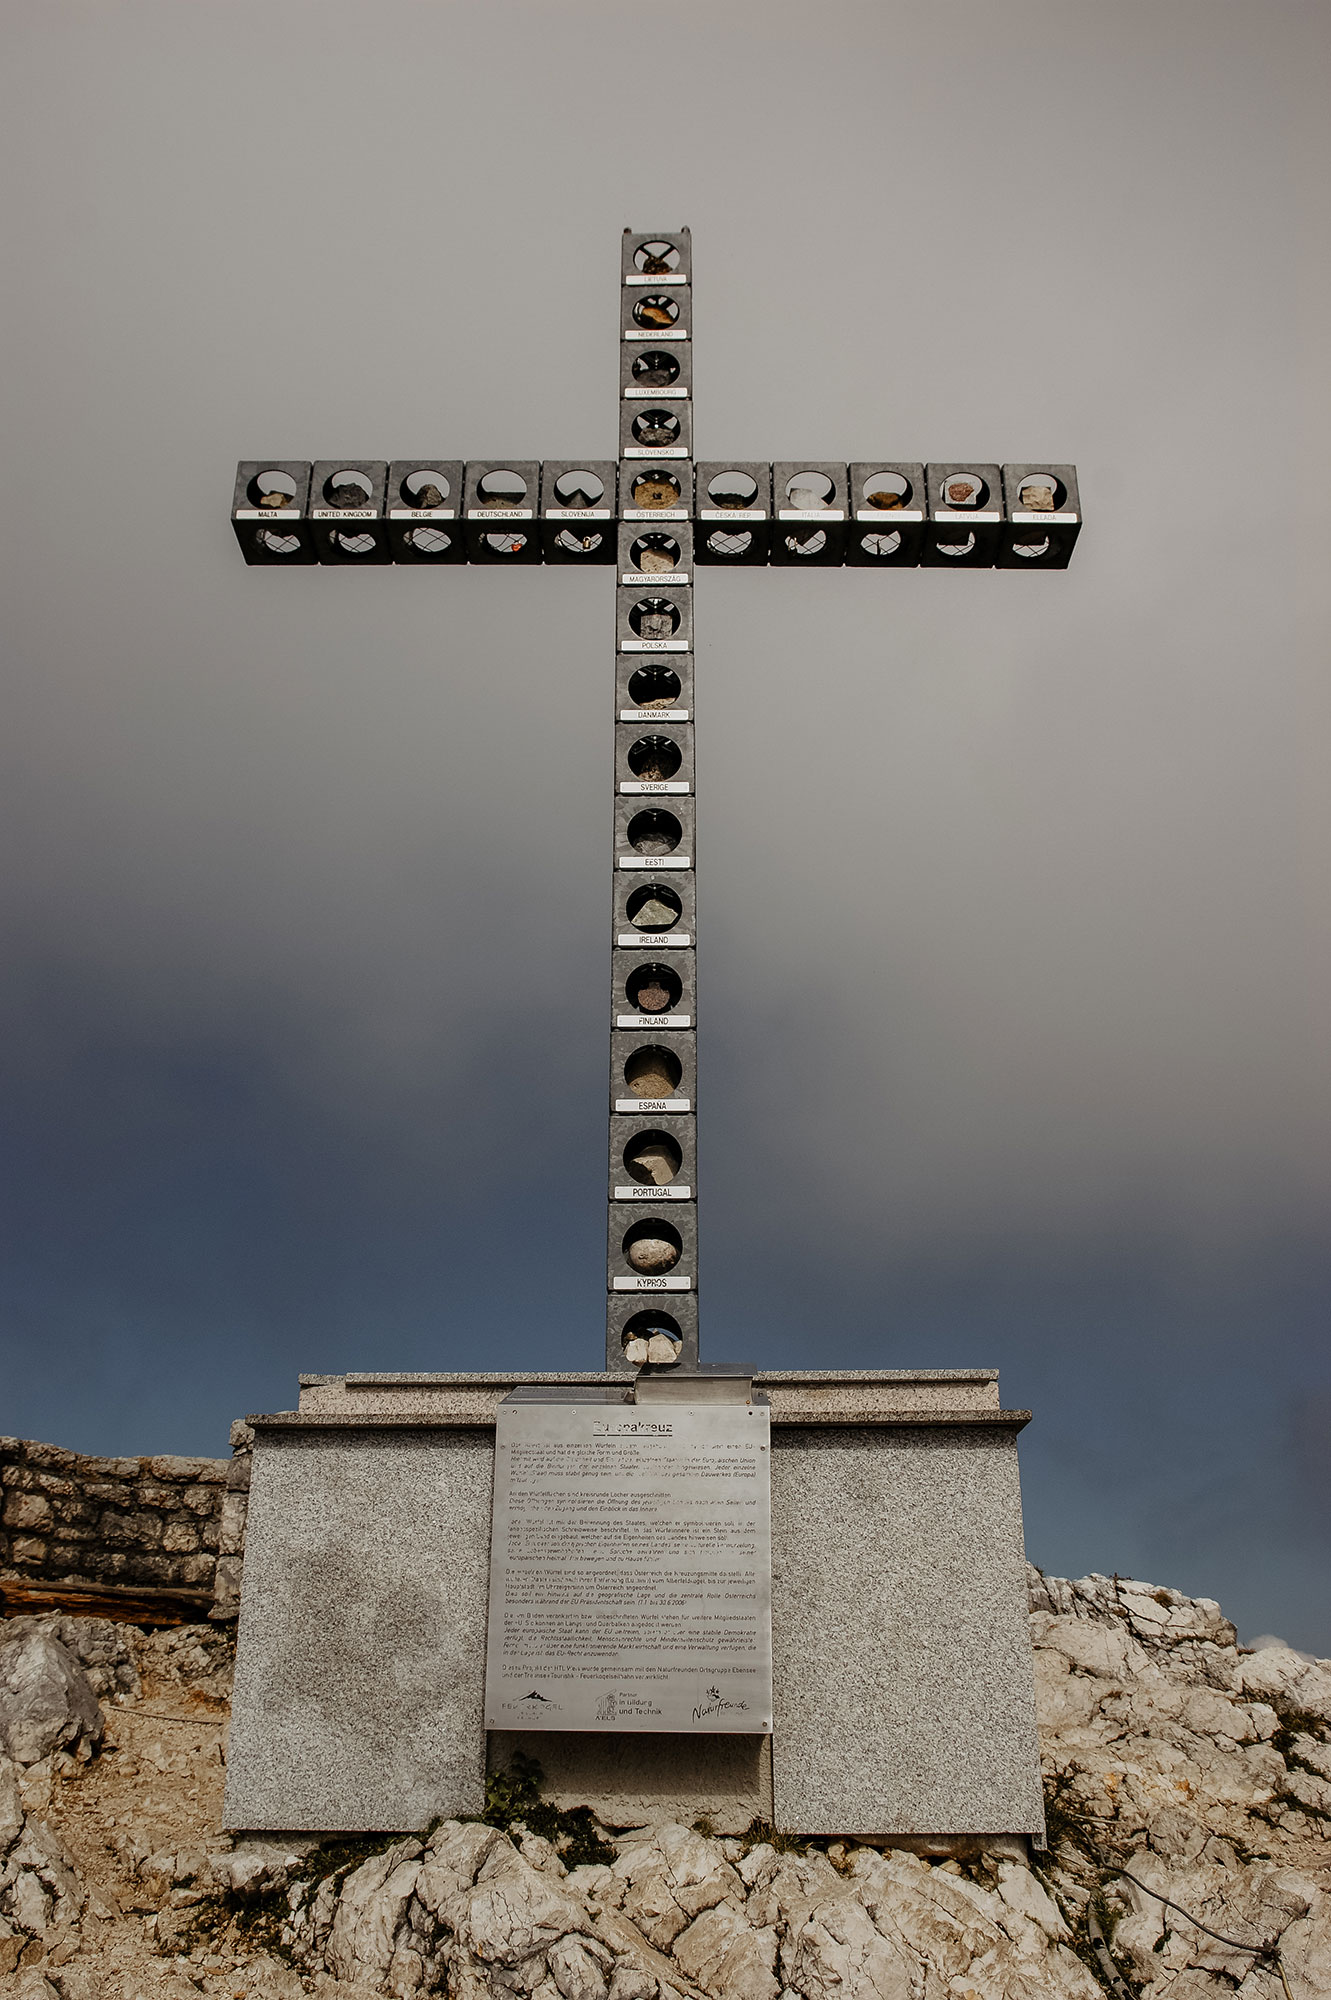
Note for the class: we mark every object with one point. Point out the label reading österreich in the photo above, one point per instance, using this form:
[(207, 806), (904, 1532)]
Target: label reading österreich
[(630, 1569)]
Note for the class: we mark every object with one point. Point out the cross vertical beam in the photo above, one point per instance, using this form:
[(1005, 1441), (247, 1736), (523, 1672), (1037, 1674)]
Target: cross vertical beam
[(652, 1252)]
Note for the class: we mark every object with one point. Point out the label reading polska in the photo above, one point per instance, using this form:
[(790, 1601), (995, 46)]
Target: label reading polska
[(631, 1567)]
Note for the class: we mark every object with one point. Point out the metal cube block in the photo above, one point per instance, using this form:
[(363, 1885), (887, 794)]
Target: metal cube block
[(652, 1247), (655, 556), (653, 1073), (347, 510), (629, 1319), (665, 258), (732, 503), (656, 430), (653, 1157), (809, 504), (655, 912), (965, 521), (656, 686), (654, 763), (1043, 521), (656, 371), (269, 511), (500, 501), (657, 312), (423, 507), (888, 502), (652, 991), (654, 836), (654, 619), (578, 509)]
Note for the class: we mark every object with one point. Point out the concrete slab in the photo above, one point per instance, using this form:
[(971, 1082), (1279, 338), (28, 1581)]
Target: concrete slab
[(903, 1684)]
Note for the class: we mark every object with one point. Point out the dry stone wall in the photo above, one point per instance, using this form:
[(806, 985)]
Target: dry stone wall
[(147, 1528)]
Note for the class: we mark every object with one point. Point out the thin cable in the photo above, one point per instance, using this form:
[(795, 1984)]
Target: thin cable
[(1271, 1951)]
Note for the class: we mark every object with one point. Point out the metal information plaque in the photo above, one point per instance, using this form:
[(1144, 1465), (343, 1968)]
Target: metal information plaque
[(631, 1569)]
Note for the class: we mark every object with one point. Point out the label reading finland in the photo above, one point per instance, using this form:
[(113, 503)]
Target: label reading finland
[(630, 1567)]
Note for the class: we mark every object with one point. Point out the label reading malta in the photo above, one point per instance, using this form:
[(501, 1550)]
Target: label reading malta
[(631, 1569)]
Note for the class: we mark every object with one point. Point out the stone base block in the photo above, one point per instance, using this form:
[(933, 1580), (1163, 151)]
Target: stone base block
[(903, 1689)]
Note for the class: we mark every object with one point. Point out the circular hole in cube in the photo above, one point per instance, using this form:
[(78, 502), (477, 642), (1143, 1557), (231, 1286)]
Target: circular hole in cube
[(956, 550), (656, 487), (656, 311), (652, 1247), (1034, 551), (656, 370), (654, 685), (654, 831), (811, 544), (962, 489), (722, 544), (579, 488), (278, 545), (656, 258), (653, 989), (651, 1337), (348, 489), (506, 544), (429, 541), (654, 907), (886, 490), (655, 618), (654, 759), (1041, 493), (653, 1159), (571, 543), (732, 489), (810, 489), (655, 552), (271, 490), (656, 427), (501, 488), (425, 488), (653, 1072), (881, 545), (355, 545)]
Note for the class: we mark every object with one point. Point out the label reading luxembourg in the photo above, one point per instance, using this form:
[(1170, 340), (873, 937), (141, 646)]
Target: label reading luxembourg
[(631, 1569), (641, 395)]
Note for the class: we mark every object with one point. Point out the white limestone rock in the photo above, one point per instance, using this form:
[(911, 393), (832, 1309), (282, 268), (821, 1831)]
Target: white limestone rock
[(46, 1702)]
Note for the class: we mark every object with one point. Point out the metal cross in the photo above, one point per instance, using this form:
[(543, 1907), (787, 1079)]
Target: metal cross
[(655, 514)]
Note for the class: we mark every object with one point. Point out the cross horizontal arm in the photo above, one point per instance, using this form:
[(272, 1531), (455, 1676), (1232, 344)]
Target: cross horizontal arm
[(873, 514)]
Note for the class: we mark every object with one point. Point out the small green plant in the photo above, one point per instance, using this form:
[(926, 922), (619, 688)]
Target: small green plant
[(761, 1831), (513, 1798)]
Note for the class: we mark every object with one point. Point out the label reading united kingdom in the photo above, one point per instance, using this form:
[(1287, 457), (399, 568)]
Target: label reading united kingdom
[(630, 1568)]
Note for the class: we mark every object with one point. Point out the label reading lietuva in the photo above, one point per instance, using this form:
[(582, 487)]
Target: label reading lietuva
[(630, 1569)]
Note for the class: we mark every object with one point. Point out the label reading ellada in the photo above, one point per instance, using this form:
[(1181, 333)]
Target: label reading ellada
[(630, 1569)]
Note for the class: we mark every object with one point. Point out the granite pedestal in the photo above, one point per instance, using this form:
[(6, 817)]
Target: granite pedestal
[(904, 1705)]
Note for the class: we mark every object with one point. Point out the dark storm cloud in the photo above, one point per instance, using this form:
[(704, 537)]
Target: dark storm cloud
[(1015, 953)]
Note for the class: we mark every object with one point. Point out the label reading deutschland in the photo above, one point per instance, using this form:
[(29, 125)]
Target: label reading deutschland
[(630, 1567)]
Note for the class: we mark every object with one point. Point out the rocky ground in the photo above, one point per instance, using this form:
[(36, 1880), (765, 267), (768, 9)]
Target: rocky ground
[(1188, 1787)]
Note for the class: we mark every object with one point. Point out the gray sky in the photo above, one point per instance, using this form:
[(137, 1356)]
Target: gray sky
[(1015, 948)]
